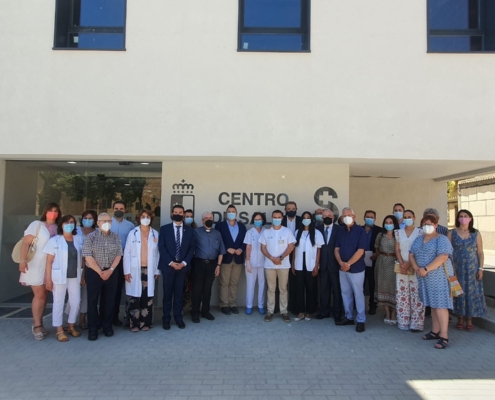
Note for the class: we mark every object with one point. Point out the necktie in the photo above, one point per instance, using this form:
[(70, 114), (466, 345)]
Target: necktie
[(326, 235), (177, 243)]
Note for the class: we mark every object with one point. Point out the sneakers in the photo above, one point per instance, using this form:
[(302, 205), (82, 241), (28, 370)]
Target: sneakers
[(268, 317), (285, 317)]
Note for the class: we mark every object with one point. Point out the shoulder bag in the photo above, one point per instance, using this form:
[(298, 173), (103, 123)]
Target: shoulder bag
[(16, 253)]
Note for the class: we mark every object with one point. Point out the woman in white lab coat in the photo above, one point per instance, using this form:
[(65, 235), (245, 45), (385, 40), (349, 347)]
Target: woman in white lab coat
[(140, 271), (63, 274)]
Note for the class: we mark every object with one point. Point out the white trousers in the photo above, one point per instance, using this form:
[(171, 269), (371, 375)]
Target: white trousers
[(83, 306), (258, 273), (352, 286), (74, 289)]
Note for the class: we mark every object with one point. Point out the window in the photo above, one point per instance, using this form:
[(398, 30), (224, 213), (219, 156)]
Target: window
[(458, 26), (90, 24), (274, 25)]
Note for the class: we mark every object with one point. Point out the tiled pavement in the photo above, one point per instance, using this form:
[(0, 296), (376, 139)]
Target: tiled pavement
[(242, 357)]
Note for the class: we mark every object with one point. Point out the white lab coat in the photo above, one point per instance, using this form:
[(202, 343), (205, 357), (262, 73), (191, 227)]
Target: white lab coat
[(57, 246), (132, 262), (305, 247)]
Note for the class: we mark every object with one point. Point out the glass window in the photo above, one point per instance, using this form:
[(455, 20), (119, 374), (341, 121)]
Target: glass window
[(90, 24), (274, 25), (461, 26)]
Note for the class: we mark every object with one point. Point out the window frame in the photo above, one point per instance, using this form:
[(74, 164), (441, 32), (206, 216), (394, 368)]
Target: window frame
[(457, 32), (87, 29), (305, 30)]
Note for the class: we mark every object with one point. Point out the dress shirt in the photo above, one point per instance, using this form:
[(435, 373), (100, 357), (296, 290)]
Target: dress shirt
[(234, 230), (350, 241), (181, 233), (209, 245), (122, 229), (103, 248), (291, 224), (330, 228)]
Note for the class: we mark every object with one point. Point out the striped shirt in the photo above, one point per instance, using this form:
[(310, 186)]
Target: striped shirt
[(103, 248)]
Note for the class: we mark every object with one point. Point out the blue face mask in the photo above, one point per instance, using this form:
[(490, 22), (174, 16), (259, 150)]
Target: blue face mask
[(277, 221), (68, 228), (231, 216), (389, 227), (319, 218), (398, 215), (258, 224), (189, 220), (369, 221), (306, 222), (408, 221), (88, 223)]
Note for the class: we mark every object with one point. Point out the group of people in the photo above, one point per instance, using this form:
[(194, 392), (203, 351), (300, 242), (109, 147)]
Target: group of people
[(310, 260)]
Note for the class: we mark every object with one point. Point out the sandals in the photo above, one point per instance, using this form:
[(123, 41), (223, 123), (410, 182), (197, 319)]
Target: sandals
[(442, 343), (300, 317), (460, 324), (135, 329), (62, 337), (38, 335), (83, 326), (73, 332), (431, 336), (469, 326)]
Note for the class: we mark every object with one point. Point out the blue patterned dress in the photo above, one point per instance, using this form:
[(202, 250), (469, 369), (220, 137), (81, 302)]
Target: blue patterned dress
[(466, 263), (434, 288)]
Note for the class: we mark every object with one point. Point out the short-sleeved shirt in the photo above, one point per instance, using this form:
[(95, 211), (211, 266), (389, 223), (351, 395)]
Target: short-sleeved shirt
[(122, 229), (257, 259), (103, 248), (277, 241), (71, 259), (209, 245), (349, 241)]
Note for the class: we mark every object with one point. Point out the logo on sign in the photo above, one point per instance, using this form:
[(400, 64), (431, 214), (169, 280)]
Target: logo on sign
[(323, 198), (182, 193)]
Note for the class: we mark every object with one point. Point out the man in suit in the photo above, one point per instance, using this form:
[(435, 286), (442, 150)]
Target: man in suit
[(294, 222), (329, 268), (233, 233), (372, 232), (176, 246)]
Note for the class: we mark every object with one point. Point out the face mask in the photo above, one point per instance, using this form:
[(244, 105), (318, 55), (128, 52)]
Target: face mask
[(177, 217), (209, 223), (408, 221), (118, 214), (328, 220), (189, 220), (464, 220), (428, 229), (258, 224), (389, 227), (106, 226), (319, 218), (369, 221), (68, 228), (145, 221), (277, 221), (52, 215), (231, 216), (306, 222), (291, 214), (398, 215), (87, 223), (348, 220)]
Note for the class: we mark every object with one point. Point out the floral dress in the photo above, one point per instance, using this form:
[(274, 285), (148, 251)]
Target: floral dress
[(466, 264), (384, 270)]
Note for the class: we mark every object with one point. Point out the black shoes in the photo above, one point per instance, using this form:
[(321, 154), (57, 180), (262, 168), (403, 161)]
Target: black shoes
[(360, 327), (117, 322), (181, 325), (225, 310), (344, 321), (195, 319), (372, 310), (208, 316), (92, 335), (166, 326), (319, 316), (108, 332), (234, 310)]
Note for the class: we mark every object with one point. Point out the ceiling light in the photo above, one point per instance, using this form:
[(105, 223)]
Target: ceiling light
[(144, 163), (71, 162)]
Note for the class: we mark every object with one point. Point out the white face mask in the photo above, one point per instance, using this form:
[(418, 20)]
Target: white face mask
[(348, 220), (428, 229), (106, 226), (145, 221)]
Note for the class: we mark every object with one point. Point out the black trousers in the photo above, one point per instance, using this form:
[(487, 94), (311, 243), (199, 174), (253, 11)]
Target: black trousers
[(119, 272), (96, 286), (202, 277), (292, 287), (173, 292), (325, 291), (338, 303), (369, 278), (306, 290)]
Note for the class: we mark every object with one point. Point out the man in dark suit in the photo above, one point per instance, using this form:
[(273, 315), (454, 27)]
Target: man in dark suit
[(292, 221), (176, 246), (372, 232), (329, 268), (233, 233)]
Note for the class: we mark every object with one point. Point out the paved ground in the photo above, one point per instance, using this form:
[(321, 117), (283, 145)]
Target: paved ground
[(242, 357)]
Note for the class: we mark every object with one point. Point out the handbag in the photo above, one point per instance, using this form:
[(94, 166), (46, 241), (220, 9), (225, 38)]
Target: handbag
[(455, 286), (16, 253)]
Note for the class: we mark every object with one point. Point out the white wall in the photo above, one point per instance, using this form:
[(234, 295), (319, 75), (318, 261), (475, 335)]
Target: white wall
[(380, 195), (367, 90)]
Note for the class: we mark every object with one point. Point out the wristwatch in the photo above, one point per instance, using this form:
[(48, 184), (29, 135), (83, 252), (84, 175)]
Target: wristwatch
[(282, 258), (112, 269)]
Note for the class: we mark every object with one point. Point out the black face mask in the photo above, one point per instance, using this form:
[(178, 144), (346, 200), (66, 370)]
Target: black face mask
[(327, 221), (177, 217), (291, 214), (209, 223), (118, 214)]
